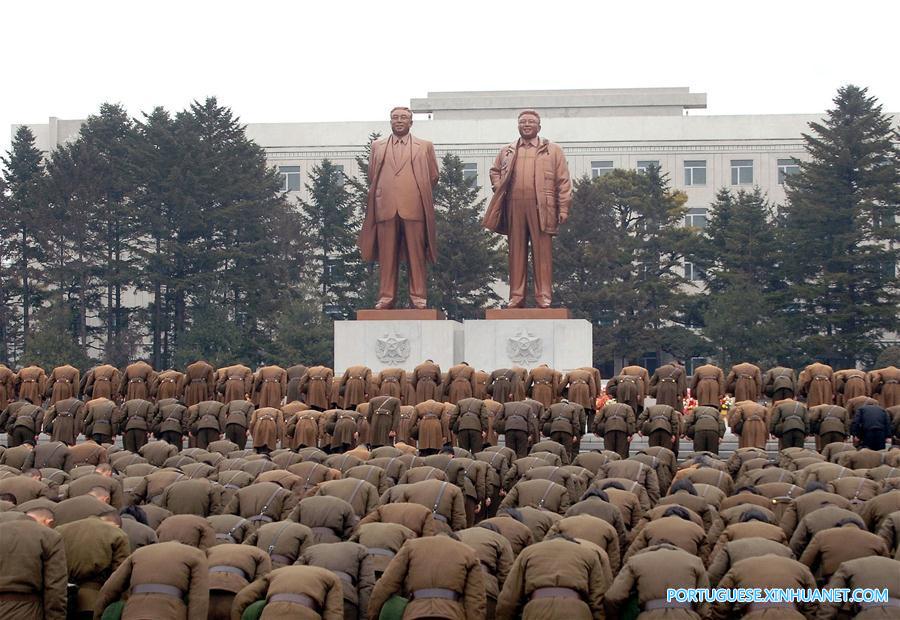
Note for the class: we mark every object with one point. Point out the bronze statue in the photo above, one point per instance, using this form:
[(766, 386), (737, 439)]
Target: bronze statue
[(399, 220), (532, 194)]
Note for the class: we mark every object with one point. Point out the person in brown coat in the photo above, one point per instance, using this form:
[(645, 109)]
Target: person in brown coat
[(236, 415), (22, 422), (496, 556), (427, 428), (315, 387), (662, 426), (64, 420), (284, 541), (95, 547), (205, 421), (269, 386), (197, 384), (166, 580), (99, 420), (503, 385), (193, 497), (542, 385), (441, 577), (384, 419), (750, 421), (789, 421), (870, 572), (850, 383), (558, 578), (705, 426), (353, 565), (480, 381), (354, 386), (767, 571), (168, 385), (62, 383), (33, 571), (579, 387), (744, 382), (137, 417), (236, 383), (469, 423), (294, 377), (816, 383), (885, 385), (51, 454), (231, 568), (708, 385), (641, 576), (517, 421), (86, 453), (267, 429), (262, 502), (102, 381), (138, 381), (832, 547), (7, 386), (306, 592), (425, 381), (668, 385), (829, 423), (616, 423), (779, 383), (459, 383), (31, 383), (641, 384)]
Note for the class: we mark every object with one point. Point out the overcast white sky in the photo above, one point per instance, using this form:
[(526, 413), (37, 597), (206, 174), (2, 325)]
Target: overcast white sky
[(347, 60)]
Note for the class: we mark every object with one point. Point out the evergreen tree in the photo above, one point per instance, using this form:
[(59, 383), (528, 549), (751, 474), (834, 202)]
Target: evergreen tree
[(619, 265), (738, 260), (332, 224), (358, 186), (469, 258), (841, 225), (53, 342), (25, 181)]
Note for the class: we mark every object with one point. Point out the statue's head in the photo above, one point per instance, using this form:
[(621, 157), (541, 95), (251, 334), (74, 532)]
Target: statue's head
[(401, 121), (529, 124)]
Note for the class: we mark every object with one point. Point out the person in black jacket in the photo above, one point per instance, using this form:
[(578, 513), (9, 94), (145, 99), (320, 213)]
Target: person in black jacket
[(871, 426)]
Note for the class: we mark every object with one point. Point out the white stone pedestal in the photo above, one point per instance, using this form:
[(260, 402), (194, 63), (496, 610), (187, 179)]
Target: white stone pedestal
[(563, 344), (396, 344)]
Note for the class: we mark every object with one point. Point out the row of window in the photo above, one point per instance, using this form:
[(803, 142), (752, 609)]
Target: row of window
[(695, 170)]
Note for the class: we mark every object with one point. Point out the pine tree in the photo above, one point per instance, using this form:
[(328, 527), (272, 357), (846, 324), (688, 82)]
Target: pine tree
[(332, 223), (469, 259), (25, 181), (738, 260), (358, 186), (841, 225), (619, 265)]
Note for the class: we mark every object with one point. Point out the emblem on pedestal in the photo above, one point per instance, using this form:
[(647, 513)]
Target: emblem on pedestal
[(392, 348), (524, 347)]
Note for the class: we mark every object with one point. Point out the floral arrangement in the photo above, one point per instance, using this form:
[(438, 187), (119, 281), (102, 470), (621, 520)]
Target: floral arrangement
[(602, 399), (689, 403), (726, 404)]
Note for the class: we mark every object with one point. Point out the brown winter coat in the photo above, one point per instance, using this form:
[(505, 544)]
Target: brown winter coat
[(579, 387), (138, 414), (197, 384), (769, 571), (94, 549), (753, 419), (262, 502), (304, 426), (459, 383), (384, 418), (62, 383), (426, 427), (322, 586), (708, 385), (816, 383), (138, 381), (542, 385), (495, 554), (31, 383), (315, 387), (744, 382), (168, 385), (267, 427), (193, 497), (64, 420), (225, 583), (284, 541), (170, 564), (100, 416), (668, 385), (480, 381), (354, 386), (354, 566), (362, 495), (850, 383), (269, 386), (435, 562), (103, 382), (425, 380), (7, 386), (557, 563), (885, 385), (503, 385), (32, 565)]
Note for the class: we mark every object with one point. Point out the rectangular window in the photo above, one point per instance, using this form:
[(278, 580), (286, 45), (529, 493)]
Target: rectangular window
[(692, 273), (290, 175), (341, 178), (741, 171), (695, 217), (642, 166), (787, 167), (695, 172), (600, 168), (470, 173)]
